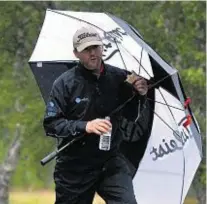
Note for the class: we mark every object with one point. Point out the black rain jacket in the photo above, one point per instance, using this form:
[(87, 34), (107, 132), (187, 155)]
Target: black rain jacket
[(77, 96)]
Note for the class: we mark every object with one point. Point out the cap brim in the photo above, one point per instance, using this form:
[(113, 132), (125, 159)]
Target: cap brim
[(88, 44)]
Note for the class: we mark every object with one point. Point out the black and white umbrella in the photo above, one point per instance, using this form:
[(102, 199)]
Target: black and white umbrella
[(173, 151)]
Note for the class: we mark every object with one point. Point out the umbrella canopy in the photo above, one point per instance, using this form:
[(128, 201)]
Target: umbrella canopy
[(173, 145)]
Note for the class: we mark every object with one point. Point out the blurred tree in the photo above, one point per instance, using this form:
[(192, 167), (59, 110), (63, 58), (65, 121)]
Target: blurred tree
[(18, 103), (9, 165)]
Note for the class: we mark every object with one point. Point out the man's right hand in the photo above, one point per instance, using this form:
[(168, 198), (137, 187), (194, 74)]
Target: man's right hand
[(98, 126)]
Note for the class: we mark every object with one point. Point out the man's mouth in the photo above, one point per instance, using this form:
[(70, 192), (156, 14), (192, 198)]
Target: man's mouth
[(94, 59)]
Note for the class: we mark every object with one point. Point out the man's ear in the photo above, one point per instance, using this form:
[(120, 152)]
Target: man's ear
[(75, 53)]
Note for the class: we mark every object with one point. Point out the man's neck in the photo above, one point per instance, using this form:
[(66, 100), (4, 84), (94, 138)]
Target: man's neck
[(98, 71)]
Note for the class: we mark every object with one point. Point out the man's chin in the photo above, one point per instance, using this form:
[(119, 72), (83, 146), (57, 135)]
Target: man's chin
[(92, 66)]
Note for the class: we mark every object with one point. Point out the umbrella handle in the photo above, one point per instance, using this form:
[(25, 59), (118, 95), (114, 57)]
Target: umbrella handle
[(53, 154), (49, 157)]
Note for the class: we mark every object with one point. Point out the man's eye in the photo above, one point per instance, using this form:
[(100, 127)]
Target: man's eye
[(91, 48)]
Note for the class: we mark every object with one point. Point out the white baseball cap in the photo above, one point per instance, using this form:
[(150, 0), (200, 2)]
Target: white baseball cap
[(85, 37)]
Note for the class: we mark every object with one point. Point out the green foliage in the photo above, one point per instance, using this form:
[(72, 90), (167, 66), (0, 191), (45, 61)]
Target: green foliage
[(22, 102), (176, 30), (195, 77)]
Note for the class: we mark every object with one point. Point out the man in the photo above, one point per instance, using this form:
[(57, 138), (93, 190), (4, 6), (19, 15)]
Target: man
[(79, 101)]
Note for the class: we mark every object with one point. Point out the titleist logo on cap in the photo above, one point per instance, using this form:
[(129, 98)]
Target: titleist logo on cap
[(86, 35)]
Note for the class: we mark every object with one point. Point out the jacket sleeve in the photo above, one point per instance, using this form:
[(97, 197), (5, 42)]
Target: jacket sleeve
[(56, 122), (133, 113)]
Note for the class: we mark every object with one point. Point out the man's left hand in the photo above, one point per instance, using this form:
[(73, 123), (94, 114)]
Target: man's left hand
[(140, 84)]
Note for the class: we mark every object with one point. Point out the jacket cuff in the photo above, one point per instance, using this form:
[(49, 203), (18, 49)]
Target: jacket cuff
[(81, 126)]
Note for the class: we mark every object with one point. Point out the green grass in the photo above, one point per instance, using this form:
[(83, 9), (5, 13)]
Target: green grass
[(47, 197)]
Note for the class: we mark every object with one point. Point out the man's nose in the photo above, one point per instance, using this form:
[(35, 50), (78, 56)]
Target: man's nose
[(91, 50)]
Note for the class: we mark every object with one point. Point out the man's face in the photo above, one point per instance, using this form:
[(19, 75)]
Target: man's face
[(90, 57)]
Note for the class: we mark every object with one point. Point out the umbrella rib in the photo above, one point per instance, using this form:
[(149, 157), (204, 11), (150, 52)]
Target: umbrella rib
[(140, 64), (67, 15), (120, 54), (183, 178), (79, 19), (182, 187), (139, 104), (165, 104), (165, 122), (152, 85)]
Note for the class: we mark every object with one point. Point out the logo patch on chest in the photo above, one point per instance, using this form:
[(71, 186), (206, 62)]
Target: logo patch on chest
[(78, 99)]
